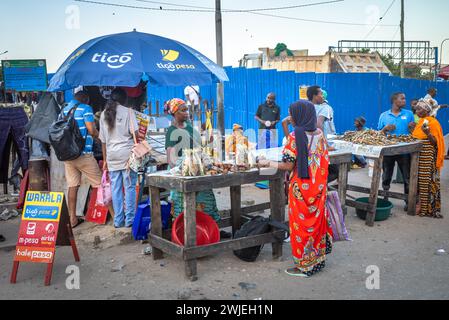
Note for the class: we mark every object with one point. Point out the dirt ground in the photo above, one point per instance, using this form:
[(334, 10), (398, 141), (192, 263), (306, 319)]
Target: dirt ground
[(402, 247)]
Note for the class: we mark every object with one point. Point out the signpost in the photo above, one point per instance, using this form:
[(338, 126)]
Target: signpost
[(25, 75), (45, 224)]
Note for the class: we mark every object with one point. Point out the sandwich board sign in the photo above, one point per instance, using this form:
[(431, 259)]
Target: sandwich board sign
[(45, 224)]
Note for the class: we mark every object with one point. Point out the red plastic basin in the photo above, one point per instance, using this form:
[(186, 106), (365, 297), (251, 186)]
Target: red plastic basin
[(207, 231)]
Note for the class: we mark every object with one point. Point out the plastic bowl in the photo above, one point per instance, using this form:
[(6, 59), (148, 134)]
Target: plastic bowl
[(207, 230), (383, 210)]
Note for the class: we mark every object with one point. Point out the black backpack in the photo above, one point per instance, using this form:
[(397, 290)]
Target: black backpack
[(65, 136), (256, 226)]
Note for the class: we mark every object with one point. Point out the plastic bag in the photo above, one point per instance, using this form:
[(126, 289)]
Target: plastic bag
[(104, 193), (336, 217)]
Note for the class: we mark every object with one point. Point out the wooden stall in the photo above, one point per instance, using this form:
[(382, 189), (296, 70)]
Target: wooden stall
[(377, 153), (189, 186)]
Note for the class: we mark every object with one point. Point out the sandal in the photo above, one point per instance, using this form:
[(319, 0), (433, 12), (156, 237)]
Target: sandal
[(78, 223), (295, 272)]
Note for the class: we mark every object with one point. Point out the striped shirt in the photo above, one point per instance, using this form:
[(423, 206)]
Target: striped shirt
[(83, 114)]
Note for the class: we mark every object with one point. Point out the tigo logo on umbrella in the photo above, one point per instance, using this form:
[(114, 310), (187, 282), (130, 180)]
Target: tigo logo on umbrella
[(113, 61), (169, 55)]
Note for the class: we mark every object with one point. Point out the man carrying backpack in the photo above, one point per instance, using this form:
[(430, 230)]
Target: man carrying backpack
[(86, 163)]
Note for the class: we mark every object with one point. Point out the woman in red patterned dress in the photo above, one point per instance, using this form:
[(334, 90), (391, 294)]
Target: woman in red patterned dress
[(307, 158)]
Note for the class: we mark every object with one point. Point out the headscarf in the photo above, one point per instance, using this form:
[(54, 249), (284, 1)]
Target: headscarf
[(324, 94), (174, 105), (304, 115), (426, 104), (361, 120)]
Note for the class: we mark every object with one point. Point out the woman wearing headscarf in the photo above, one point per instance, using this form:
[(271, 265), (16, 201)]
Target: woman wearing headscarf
[(306, 157), (431, 159), (181, 135)]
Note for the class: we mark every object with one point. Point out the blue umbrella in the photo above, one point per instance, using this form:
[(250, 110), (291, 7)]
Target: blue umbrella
[(124, 59)]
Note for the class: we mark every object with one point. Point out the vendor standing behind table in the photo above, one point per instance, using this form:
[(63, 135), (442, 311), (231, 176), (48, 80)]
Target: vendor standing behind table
[(117, 142), (181, 135), (397, 121), (268, 115), (359, 161), (413, 104)]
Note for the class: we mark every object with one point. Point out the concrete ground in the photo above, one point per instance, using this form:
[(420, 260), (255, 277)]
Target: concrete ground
[(402, 247)]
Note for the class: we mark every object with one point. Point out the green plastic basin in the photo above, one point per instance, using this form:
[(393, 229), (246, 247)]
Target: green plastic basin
[(383, 210)]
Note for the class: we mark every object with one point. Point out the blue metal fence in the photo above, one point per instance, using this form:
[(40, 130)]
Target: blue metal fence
[(350, 94)]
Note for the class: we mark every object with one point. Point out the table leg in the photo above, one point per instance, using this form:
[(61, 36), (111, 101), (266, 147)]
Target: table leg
[(343, 185), (413, 184), (236, 200), (374, 190), (156, 219), (277, 200), (190, 232)]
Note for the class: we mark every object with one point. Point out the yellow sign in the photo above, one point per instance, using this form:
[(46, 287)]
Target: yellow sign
[(43, 206), (303, 92), (169, 55)]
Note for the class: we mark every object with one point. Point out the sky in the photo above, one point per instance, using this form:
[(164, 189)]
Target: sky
[(53, 29)]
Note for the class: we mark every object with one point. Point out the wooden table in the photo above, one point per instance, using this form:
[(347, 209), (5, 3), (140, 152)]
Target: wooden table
[(160, 241), (400, 149)]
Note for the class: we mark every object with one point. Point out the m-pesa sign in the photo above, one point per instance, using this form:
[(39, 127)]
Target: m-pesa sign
[(39, 234), (39, 227)]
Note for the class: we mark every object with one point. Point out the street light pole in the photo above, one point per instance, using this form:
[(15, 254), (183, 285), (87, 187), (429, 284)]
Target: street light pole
[(402, 39), (441, 55), (219, 48)]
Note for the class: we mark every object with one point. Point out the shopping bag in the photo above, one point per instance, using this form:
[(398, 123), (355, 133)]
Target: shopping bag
[(96, 213), (336, 217), (104, 193)]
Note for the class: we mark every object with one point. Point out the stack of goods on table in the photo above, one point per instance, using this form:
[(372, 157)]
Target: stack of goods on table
[(205, 161), (195, 162), (375, 138)]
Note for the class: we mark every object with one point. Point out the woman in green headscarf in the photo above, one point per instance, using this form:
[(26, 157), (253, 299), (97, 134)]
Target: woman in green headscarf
[(181, 135)]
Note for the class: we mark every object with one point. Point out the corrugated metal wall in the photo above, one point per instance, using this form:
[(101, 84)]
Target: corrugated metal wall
[(350, 94)]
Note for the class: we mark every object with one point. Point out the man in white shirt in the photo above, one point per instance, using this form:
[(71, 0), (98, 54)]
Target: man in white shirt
[(325, 122), (193, 99), (431, 94)]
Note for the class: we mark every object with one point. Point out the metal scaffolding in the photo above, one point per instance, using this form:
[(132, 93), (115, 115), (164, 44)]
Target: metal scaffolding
[(416, 52)]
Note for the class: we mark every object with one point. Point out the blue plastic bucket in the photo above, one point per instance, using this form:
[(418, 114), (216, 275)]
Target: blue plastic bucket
[(142, 221)]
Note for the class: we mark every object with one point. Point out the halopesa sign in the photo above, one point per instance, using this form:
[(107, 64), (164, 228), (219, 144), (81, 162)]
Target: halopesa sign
[(25, 75)]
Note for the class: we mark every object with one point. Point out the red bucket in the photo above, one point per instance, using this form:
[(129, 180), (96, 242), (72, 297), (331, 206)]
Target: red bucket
[(207, 231)]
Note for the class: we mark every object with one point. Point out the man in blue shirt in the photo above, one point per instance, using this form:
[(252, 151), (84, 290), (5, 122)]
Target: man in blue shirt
[(86, 163), (399, 122)]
